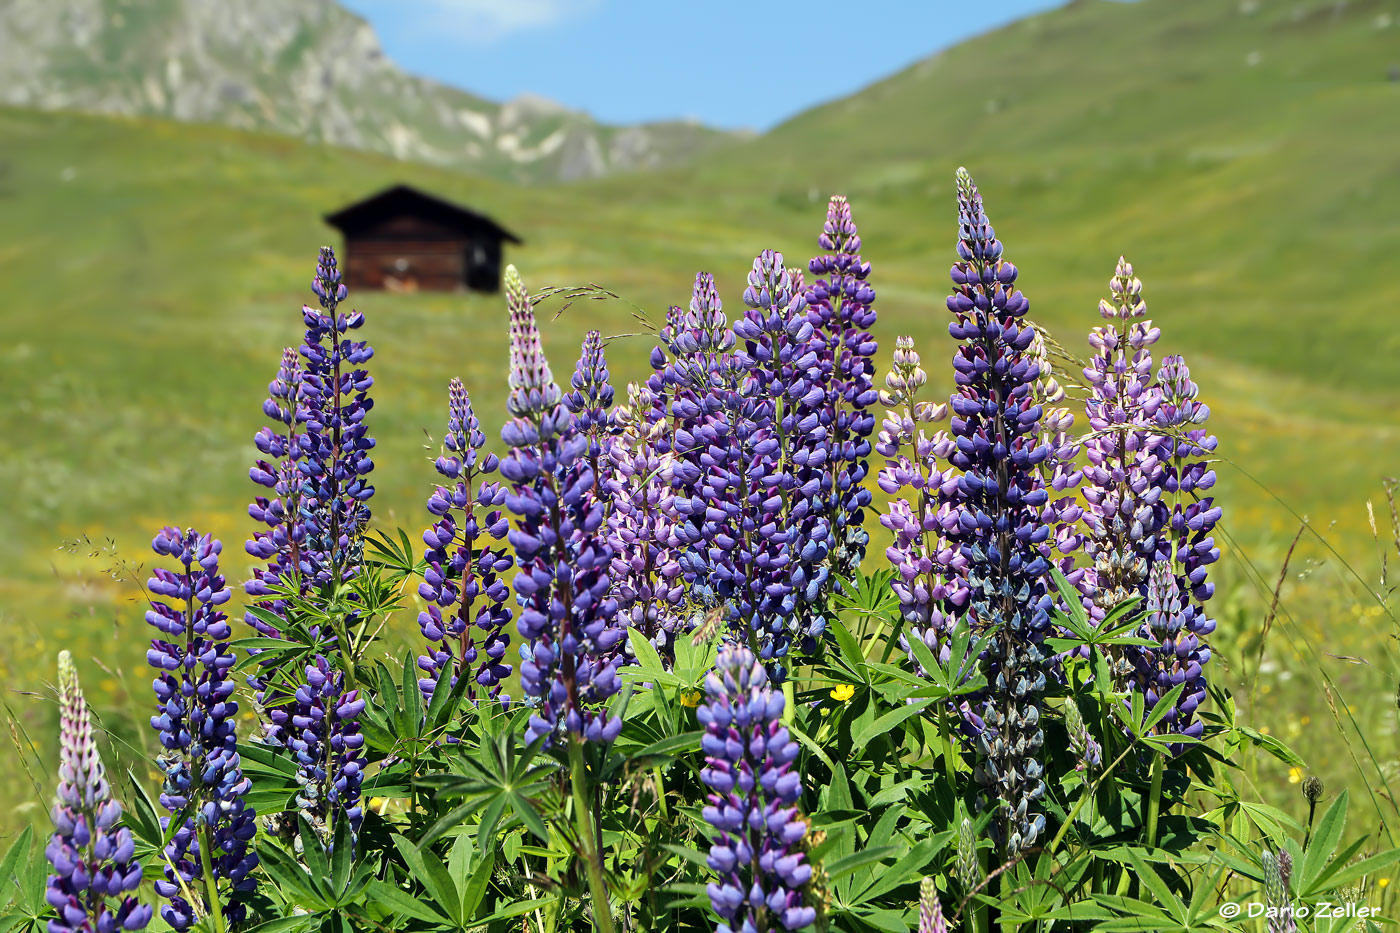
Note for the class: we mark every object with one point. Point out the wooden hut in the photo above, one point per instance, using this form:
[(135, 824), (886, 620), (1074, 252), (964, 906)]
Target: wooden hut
[(405, 240)]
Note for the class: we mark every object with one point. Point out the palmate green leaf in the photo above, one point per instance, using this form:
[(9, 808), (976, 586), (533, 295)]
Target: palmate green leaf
[(667, 749), (291, 879), (505, 913), (886, 723), (428, 869), (286, 924), (647, 658), (1077, 619), (891, 921), (140, 817), (908, 869), (20, 848), (401, 902), (849, 650), (849, 863)]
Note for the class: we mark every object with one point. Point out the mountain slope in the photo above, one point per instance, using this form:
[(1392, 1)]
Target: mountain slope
[(1241, 153), (308, 68)]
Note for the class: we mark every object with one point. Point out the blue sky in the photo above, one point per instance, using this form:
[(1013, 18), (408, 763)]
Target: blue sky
[(726, 62)]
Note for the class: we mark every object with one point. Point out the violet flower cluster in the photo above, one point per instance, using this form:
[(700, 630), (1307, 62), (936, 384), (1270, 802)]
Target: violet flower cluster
[(319, 461), (749, 757), (1001, 496), (195, 718), (695, 381), (778, 463), (280, 546), (334, 451), (96, 873), (323, 733), (568, 615), (646, 577), (464, 574), (929, 569), (839, 304), (1122, 480), (1178, 588)]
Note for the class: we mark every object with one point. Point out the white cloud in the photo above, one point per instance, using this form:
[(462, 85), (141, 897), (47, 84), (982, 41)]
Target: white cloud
[(482, 22)]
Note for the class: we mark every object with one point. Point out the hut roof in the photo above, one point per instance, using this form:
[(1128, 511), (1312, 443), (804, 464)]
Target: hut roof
[(405, 199)]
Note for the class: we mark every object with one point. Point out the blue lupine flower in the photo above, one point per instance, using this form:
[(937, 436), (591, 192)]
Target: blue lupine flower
[(1001, 496), (839, 304), (568, 616), (464, 569), (749, 758), (196, 722)]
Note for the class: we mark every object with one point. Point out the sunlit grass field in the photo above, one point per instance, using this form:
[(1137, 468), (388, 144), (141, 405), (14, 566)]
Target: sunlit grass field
[(151, 273)]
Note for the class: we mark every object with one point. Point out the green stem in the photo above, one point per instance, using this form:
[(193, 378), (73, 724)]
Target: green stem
[(1083, 799), (211, 884), (660, 793), (1154, 802), (948, 748), (588, 843)]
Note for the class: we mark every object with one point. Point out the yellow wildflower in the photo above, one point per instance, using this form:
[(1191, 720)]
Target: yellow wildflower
[(843, 692), (690, 698), (1382, 881), (1295, 775)]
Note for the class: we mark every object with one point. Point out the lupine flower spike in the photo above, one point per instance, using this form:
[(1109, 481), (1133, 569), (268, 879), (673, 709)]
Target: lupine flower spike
[(930, 910), (1001, 496), (748, 767), (1122, 480), (335, 446), (96, 873), (568, 615), (839, 304), (465, 570), (196, 721), (928, 566), (645, 574), (1178, 588)]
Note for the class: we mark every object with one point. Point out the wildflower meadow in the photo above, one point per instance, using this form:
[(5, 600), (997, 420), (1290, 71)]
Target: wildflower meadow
[(771, 641)]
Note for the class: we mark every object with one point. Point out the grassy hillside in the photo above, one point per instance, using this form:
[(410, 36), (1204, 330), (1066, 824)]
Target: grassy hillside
[(1245, 162)]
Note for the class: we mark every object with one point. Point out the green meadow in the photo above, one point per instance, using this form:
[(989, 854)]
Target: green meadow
[(1242, 155)]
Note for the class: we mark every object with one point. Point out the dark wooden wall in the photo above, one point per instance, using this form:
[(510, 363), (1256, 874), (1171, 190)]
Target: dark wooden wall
[(412, 253)]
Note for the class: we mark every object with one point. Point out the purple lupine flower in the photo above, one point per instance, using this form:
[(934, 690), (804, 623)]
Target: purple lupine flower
[(694, 382), (1122, 479), (196, 722), (279, 546), (749, 757), (334, 448), (96, 872), (592, 394), (568, 614), (645, 576), (1177, 585), (996, 427), (930, 910), (928, 567), (1059, 473), (464, 570), (778, 446), (839, 303), (323, 734)]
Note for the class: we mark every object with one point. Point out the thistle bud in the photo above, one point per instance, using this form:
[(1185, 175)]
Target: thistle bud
[(1312, 789)]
